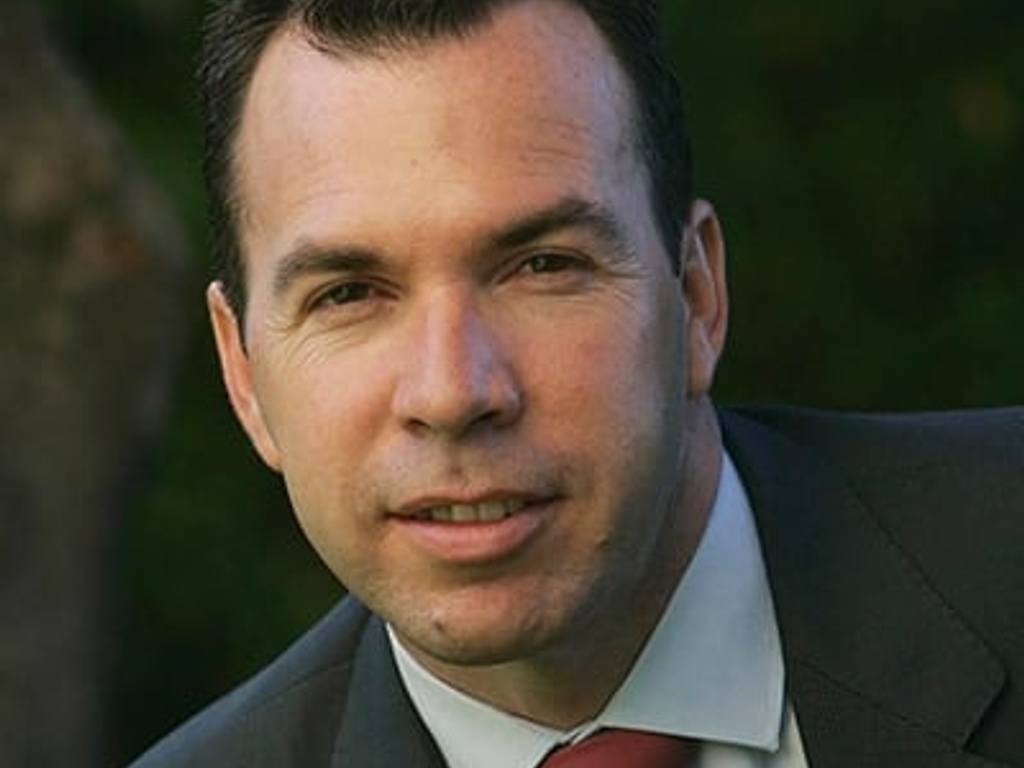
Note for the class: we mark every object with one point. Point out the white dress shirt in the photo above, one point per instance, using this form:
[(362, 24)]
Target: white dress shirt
[(712, 670)]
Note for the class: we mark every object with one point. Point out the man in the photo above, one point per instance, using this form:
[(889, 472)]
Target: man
[(472, 314)]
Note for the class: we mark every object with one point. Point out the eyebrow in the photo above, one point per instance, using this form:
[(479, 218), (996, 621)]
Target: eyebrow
[(570, 212), (309, 259)]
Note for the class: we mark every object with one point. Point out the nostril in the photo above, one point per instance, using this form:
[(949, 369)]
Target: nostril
[(444, 403), (459, 418)]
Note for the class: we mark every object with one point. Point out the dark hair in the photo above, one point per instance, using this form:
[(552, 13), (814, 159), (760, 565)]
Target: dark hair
[(238, 31)]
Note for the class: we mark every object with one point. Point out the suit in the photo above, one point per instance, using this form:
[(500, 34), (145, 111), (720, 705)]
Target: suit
[(895, 552)]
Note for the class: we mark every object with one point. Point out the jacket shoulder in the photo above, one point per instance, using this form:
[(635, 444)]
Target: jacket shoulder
[(946, 490), (948, 485), (285, 714), (867, 444)]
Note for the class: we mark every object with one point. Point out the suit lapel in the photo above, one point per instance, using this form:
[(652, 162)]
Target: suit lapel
[(882, 672), (842, 728), (380, 728)]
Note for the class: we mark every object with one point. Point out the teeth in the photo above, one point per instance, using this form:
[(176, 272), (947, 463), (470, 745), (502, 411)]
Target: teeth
[(493, 511), (487, 512), (463, 513), (440, 514)]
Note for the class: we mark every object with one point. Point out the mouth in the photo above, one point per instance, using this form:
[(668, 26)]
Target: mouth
[(483, 512), (481, 529)]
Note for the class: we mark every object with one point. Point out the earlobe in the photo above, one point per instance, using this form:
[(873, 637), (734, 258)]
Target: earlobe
[(706, 293), (237, 374)]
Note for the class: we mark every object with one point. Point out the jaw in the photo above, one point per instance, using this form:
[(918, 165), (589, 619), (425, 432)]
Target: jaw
[(561, 667)]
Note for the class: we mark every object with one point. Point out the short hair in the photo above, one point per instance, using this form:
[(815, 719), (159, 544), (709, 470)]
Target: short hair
[(238, 31)]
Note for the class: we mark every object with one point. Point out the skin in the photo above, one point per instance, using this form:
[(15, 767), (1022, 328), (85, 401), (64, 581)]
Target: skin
[(459, 296)]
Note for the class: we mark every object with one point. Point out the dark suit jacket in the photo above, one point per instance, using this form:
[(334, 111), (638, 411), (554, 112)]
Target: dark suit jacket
[(895, 551)]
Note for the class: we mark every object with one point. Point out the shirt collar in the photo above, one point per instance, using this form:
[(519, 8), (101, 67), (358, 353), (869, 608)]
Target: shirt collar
[(712, 669)]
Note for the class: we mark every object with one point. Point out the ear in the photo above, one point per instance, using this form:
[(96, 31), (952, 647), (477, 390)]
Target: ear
[(236, 371), (706, 294)]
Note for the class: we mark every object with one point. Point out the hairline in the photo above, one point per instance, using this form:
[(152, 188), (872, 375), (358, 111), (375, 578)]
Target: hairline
[(396, 45)]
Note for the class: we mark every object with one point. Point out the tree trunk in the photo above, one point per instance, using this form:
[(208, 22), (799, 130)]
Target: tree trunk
[(92, 267)]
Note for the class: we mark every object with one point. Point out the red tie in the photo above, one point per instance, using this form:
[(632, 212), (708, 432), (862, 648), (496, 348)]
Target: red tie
[(618, 748)]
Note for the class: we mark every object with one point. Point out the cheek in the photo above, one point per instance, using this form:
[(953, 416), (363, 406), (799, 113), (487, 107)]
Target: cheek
[(323, 416), (611, 400), (639, 377), (628, 360), (319, 402)]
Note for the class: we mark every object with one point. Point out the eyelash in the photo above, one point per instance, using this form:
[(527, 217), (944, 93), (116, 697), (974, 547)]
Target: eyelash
[(561, 262), (331, 294), (551, 263), (329, 297)]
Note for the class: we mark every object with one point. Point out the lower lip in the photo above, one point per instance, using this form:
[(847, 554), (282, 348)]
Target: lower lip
[(476, 543)]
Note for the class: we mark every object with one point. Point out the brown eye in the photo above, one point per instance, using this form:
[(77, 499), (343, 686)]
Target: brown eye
[(543, 263), (346, 293)]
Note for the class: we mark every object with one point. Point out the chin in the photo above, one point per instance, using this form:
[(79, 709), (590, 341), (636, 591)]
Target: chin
[(472, 641)]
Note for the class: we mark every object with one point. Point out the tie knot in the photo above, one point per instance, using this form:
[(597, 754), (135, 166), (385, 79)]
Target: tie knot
[(621, 748)]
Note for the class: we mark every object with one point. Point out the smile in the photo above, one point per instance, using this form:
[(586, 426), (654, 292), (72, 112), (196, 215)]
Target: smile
[(485, 512)]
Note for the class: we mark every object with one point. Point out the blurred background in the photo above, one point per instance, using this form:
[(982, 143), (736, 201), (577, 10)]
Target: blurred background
[(866, 160)]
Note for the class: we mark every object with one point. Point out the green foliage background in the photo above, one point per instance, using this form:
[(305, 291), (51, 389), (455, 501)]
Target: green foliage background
[(866, 159)]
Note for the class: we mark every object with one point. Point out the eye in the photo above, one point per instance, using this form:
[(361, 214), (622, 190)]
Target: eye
[(345, 293), (552, 262), (348, 300), (552, 271)]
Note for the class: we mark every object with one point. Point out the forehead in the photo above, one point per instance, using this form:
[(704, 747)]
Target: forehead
[(535, 91)]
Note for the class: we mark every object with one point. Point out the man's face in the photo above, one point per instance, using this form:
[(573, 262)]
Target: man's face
[(466, 350)]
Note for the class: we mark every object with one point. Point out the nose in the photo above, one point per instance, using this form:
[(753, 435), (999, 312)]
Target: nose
[(457, 378)]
